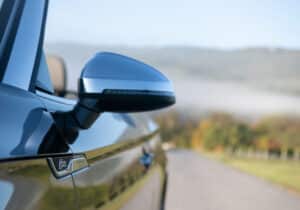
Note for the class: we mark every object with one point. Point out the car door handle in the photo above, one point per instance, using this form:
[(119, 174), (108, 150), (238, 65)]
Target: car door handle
[(66, 165)]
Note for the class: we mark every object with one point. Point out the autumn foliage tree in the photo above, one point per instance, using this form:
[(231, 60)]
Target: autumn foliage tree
[(222, 131)]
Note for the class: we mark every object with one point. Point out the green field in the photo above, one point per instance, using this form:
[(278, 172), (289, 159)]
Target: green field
[(285, 173)]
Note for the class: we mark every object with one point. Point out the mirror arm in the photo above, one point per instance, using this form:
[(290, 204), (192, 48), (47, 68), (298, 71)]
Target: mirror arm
[(69, 123), (84, 116)]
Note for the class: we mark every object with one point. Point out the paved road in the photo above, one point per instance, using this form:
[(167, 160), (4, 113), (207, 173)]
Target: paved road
[(196, 183)]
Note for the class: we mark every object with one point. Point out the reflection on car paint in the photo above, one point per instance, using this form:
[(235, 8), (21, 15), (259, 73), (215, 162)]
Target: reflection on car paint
[(29, 129), (7, 189), (114, 180), (34, 187)]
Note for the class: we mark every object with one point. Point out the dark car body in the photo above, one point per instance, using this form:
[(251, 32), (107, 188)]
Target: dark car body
[(104, 167)]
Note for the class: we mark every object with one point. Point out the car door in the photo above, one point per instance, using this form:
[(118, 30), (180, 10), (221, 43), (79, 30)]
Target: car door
[(26, 180), (29, 138), (113, 175), (116, 177)]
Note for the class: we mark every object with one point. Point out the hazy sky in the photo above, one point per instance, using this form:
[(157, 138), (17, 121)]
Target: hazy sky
[(211, 23)]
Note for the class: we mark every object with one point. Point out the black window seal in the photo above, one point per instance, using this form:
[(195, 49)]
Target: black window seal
[(12, 9), (5, 13), (32, 84)]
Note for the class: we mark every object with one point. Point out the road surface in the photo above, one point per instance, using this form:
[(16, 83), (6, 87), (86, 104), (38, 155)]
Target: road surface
[(197, 183)]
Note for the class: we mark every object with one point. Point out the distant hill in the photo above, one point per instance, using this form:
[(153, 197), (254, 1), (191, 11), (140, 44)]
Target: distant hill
[(273, 69)]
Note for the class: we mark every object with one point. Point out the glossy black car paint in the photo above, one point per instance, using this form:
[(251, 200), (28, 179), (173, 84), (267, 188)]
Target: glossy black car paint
[(114, 178)]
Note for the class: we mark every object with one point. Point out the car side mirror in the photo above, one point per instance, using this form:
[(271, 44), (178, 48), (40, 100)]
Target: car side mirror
[(115, 83)]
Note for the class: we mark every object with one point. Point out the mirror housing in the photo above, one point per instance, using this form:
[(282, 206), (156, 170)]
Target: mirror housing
[(111, 82), (115, 83)]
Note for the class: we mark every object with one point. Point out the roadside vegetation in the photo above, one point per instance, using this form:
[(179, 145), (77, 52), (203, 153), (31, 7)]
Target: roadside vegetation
[(177, 129), (268, 148), (269, 138), (283, 172)]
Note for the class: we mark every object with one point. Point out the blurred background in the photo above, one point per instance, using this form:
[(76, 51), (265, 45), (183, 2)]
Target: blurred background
[(235, 66)]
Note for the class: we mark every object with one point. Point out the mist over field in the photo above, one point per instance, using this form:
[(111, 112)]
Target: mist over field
[(254, 81)]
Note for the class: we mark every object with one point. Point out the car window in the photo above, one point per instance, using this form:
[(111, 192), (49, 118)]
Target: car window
[(43, 81)]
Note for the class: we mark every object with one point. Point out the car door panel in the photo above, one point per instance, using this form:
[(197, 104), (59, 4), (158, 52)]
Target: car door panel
[(28, 130), (27, 138), (20, 114), (30, 185), (116, 178)]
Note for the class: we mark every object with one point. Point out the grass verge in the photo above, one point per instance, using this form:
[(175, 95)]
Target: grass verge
[(283, 172)]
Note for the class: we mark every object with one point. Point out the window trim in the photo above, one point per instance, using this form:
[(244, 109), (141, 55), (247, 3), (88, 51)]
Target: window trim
[(40, 51), (55, 103), (41, 83), (26, 50), (12, 9), (5, 15)]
